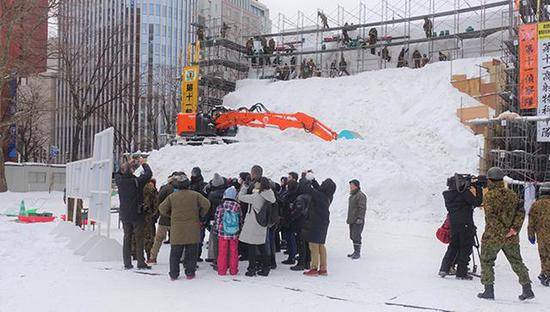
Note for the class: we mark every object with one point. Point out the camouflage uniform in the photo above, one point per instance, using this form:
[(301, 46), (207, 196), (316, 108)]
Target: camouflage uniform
[(539, 225), (501, 215), (150, 200)]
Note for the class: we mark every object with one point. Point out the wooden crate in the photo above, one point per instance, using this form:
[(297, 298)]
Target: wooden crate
[(469, 113), (458, 78)]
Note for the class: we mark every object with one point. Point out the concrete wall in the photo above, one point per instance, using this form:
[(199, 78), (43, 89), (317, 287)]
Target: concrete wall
[(28, 177)]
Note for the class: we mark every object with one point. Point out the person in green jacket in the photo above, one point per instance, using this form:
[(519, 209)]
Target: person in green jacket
[(356, 217), (503, 220), (539, 232)]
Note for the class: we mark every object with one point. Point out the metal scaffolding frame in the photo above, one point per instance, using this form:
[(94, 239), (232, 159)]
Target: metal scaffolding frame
[(402, 20)]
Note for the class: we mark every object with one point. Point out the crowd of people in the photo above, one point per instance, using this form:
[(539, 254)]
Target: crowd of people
[(504, 218), (249, 218)]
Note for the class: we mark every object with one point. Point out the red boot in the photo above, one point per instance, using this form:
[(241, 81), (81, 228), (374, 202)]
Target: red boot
[(312, 272)]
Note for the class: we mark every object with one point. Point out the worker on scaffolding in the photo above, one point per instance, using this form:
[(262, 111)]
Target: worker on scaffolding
[(333, 69), (401, 61), (343, 66), (345, 35), (442, 57), (271, 46), (417, 58), (324, 19), (223, 30), (428, 27), (250, 49), (264, 59), (385, 54), (373, 38), (200, 33)]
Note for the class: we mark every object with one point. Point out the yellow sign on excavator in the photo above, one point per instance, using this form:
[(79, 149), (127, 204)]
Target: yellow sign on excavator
[(190, 82)]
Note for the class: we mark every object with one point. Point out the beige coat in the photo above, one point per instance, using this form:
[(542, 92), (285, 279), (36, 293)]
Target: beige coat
[(253, 233), (185, 208)]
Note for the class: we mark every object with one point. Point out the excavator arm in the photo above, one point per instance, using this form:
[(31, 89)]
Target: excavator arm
[(275, 120)]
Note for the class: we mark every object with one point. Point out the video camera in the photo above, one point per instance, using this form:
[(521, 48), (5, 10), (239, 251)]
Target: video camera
[(462, 182)]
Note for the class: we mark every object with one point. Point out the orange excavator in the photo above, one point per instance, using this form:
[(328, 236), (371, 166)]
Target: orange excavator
[(224, 122), (196, 128)]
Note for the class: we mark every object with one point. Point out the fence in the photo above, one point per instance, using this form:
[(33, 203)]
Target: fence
[(34, 177)]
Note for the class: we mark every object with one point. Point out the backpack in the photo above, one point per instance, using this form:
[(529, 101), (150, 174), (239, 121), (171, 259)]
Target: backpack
[(274, 215), (262, 217), (443, 233), (231, 222)]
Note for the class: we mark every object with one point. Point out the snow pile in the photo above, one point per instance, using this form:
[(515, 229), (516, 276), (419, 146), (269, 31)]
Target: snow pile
[(413, 139)]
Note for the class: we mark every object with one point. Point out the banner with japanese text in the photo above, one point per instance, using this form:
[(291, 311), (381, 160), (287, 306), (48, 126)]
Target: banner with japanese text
[(543, 127), (528, 66)]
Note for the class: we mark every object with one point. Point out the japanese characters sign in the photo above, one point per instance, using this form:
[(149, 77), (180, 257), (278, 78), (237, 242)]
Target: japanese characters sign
[(543, 127), (190, 90), (528, 66)]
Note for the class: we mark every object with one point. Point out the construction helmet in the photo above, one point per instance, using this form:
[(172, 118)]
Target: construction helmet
[(495, 174)]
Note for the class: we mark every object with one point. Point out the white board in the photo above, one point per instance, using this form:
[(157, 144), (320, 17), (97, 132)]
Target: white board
[(77, 182), (101, 173)]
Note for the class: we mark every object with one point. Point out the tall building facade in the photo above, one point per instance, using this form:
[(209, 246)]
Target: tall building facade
[(24, 35), (243, 17), (138, 49)]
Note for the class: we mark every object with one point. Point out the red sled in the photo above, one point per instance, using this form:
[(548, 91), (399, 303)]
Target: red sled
[(443, 234), (35, 219)]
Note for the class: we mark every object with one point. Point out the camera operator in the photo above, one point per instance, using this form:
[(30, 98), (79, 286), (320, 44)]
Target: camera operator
[(465, 193)]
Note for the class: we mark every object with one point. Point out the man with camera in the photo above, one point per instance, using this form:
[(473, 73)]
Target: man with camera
[(503, 220), (131, 180), (465, 193)]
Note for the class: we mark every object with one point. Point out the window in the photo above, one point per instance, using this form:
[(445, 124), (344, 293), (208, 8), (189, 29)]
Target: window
[(157, 13)]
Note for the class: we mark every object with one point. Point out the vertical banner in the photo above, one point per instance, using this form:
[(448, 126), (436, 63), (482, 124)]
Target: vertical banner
[(528, 66), (543, 127), (190, 90)]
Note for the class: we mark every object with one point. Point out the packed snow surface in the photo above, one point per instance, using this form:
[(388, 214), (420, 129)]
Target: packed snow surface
[(413, 141)]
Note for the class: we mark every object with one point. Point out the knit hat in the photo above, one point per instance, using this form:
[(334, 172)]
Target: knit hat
[(181, 182), (217, 180), (230, 193), (196, 172), (355, 182)]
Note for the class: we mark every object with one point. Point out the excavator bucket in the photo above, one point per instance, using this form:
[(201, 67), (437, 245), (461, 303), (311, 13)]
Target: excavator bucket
[(349, 135)]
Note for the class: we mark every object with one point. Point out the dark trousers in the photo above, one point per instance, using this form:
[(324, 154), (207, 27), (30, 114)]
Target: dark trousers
[(189, 259), (303, 249), (458, 252), (136, 230), (257, 253), (290, 238), (355, 231), (269, 248)]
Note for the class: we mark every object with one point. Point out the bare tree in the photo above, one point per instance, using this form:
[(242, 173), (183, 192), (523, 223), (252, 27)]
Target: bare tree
[(93, 74), (32, 135), (22, 24)]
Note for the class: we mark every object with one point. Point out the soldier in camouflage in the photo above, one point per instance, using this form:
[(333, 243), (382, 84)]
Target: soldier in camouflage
[(539, 230), (150, 201), (503, 221)]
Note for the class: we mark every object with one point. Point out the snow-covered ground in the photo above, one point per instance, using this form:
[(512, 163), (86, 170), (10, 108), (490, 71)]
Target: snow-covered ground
[(413, 141)]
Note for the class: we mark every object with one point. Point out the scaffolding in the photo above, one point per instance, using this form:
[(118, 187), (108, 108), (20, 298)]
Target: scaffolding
[(460, 29), (513, 145)]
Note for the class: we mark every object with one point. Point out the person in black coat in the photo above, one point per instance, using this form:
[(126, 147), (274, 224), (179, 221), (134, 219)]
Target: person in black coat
[(460, 201), (317, 222), (288, 197), (132, 212), (214, 191), (198, 185)]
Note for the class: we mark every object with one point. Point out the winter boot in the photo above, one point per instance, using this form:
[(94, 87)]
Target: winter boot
[(312, 272), (544, 280), (250, 273), (357, 253), (264, 272), (489, 293), (527, 293), (298, 267), (442, 274), (289, 261)]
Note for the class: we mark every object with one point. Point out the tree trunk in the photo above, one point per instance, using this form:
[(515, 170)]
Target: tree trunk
[(76, 141), (3, 183)]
